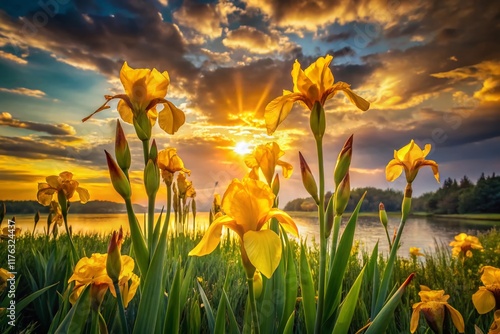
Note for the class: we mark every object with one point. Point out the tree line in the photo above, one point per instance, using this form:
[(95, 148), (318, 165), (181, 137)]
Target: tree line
[(453, 197), (31, 207)]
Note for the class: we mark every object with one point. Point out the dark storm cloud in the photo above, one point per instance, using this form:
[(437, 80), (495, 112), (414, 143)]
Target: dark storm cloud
[(86, 37), (342, 36), (37, 149), (56, 130), (346, 51)]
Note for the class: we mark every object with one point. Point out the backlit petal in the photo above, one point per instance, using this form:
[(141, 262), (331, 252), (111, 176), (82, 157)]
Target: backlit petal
[(171, 118), (53, 181), (278, 109), (45, 194), (264, 250), (320, 74), (357, 100), (393, 170), (246, 201), (212, 236), (125, 112), (83, 194)]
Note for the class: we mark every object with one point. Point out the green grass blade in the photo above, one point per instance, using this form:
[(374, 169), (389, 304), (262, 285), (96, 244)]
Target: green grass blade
[(152, 293), (233, 324), (308, 292), (208, 308), (379, 324), (174, 307), (138, 242), (374, 276), (75, 320), (289, 324), (220, 320), (25, 301), (334, 281), (290, 286), (346, 310)]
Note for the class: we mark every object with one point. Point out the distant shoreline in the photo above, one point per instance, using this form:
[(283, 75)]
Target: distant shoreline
[(465, 216)]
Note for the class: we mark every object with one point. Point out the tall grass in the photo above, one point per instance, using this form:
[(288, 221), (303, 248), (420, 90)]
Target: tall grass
[(43, 261)]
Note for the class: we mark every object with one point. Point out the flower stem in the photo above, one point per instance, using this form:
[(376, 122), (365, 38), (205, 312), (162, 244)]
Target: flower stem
[(388, 238), (253, 305), (121, 308), (63, 202), (322, 236)]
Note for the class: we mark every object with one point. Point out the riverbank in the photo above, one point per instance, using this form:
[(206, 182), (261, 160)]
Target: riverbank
[(467, 216)]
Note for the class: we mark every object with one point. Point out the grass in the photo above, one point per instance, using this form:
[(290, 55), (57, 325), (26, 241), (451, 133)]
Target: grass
[(44, 261)]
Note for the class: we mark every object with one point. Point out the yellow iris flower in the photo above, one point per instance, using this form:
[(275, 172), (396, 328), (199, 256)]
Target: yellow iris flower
[(463, 244), (433, 305), (248, 205), (314, 84), (144, 90), (487, 297), (415, 251), (266, 157), (169, 163), (410, 158), (65, 183), (495, 326), (93, 271), (185, 187)]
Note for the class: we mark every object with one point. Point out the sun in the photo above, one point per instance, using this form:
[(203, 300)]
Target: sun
[(242, 148)]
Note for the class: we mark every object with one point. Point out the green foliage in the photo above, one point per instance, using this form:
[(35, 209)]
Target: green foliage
[(437, 270), (463, 197)]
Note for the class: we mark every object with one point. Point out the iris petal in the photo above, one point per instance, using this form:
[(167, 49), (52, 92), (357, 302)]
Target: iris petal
[(483, 300), (264, 250), (393, 170), (212, 236), (457, 318)]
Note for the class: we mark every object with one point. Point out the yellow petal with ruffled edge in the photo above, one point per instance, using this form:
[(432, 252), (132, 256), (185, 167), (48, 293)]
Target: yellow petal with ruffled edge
[(491, 275), (246, 201), (286, 167), (263, 249), (483, 300), (45, 194), (320, 74), (457, 318), (212, 236)]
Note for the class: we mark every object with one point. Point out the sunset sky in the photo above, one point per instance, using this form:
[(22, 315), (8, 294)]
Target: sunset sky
[(431, 70)]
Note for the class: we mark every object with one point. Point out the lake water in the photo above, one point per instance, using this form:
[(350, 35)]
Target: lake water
[(419, 232)]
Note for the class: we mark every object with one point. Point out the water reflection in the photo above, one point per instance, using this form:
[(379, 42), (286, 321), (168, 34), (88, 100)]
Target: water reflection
[(419, 232)]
